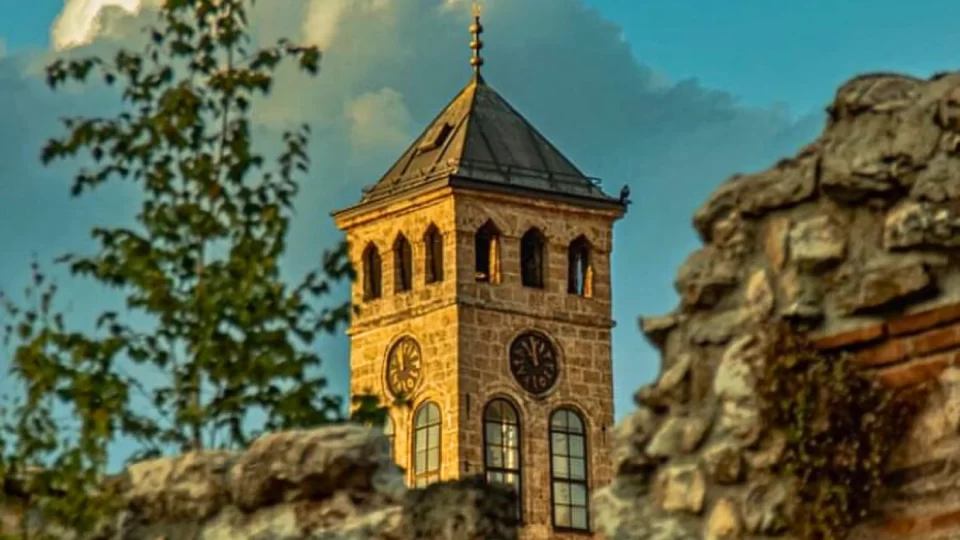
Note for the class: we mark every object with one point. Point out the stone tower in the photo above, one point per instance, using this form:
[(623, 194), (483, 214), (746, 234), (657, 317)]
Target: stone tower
[(483, 260)]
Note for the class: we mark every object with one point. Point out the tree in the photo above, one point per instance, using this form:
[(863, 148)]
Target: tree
[(201, 262)]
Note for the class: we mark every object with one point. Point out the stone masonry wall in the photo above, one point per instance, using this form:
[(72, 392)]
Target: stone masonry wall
[(492, 315), (856, 235), (334, 483)]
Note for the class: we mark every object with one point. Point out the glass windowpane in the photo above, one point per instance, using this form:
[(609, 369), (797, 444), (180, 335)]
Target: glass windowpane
[(578, 518)]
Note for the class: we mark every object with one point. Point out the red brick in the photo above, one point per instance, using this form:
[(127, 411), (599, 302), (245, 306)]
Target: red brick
[(899, 526), (917, 322), (949, 519), (853, 337), (917, 371), (937, 340), (884, 353)]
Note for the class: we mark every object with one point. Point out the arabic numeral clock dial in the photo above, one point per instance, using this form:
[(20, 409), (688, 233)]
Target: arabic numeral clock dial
[(534, 363), (404, 367)]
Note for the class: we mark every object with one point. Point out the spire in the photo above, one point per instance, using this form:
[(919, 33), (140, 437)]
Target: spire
[(476, 45)]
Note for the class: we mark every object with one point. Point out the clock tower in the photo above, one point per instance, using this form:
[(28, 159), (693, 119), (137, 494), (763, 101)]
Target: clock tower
[(484, 303)]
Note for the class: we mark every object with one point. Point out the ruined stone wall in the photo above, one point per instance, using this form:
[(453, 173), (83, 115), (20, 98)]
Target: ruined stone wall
[(334, 483), (854, 236)]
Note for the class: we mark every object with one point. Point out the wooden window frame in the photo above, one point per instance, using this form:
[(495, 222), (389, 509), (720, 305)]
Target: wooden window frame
[(428, 475), (518, 425), (554, 479)]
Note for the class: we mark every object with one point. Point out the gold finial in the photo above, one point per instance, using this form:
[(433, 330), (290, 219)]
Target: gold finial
[(476, 45)]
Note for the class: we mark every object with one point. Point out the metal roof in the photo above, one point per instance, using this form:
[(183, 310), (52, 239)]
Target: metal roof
[(480, 137)]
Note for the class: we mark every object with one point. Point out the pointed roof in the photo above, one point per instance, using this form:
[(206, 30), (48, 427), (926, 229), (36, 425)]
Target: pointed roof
[(482, 138)]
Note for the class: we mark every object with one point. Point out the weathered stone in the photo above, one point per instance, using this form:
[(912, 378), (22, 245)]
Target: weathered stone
[(734, 378), (948, 110), (468, 509), (189, 487), (629, 438), (679, 435), (767, 507), (733, 236), (724, 522), (769, 451), (310, 464), (656, 329), (676, 373), (705, 278), (759, 298), (718, 328), (775, 245), (791, 182), (741, 420), (919, 224), (881, 285), (817, 242), (723, 463), (681, 488), (939, 181), (875, 92), (801, 297)]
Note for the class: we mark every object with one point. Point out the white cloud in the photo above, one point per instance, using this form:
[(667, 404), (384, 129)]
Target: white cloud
[(80, 21), (379, 120)]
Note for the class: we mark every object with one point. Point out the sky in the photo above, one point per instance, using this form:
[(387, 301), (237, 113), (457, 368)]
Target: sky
[(668, 96)]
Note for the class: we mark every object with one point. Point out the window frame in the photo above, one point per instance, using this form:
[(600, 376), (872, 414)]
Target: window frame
[(539, 279), (372, 280), (580, 250), (494, 238), (585, 482), (518, 425), (417, 429), (433, 241), (402, 264)]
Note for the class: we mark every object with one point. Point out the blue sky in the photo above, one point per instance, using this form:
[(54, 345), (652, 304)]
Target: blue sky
[(669, 96)]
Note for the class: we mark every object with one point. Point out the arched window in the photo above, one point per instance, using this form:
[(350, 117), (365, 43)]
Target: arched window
[(487, 253), (390, 431), (568, 471), (501, 442), (579, 269), (532, 245), (426, 445), (433, 262), (371, 272), (402, 264)]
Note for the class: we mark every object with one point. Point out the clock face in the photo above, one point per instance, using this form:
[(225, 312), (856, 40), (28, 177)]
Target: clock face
[(404, 367), (534, 363)]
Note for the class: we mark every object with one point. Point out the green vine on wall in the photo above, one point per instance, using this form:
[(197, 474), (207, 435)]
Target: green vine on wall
[(841, 427)]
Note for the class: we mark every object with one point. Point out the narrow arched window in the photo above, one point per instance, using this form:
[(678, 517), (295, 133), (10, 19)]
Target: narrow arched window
[(402, 264), (390, 431), (579, 269), (426, 445), (568, 471), (433, 262), (371, 272), (487, 253), (532, 245), (501, 441)]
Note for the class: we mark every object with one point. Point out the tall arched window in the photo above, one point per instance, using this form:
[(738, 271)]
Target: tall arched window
[(390, 431), (402, 264), (579, 269), (568, 470), (532, 245), (433, 262), (371, 272), (487, 253), (501, 442), (426, 445)]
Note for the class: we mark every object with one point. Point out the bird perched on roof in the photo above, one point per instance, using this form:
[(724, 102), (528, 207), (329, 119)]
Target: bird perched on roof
[(625, 195)]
